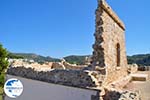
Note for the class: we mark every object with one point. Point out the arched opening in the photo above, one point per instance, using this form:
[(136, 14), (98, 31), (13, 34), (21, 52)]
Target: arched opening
[(118, 54)]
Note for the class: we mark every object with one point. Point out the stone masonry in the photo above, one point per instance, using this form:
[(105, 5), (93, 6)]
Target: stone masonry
[(108, 71), (75, 78), (109, 55)]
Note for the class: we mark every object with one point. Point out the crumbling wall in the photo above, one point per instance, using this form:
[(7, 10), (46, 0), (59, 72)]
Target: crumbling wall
[(73, 67), (47, 65), (76, 78), (109, 49)]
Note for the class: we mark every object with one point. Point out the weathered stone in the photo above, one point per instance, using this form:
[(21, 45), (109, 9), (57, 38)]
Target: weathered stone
[(132, 68), (109, 48), (108, 69), (56, 65), (77, 78), (125, 95), (129, 95)]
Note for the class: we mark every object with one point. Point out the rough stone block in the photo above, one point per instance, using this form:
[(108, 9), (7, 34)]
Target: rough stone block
[(139, 77)]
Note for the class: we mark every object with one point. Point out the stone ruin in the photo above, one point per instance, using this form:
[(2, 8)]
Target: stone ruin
[(109, 55), (47, 66), (108, 71)]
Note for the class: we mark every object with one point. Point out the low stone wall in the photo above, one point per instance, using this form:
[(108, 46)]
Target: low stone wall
[(35, 65), (48, 65), (144, 68), (139, 77), (74, 78), (73, 67)]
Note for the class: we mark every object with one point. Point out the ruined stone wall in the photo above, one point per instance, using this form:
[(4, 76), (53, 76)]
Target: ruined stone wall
[(69, 66), (109, 48), (75, 78)]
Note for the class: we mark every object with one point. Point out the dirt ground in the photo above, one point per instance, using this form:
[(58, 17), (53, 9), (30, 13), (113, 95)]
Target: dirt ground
[(142, 86)]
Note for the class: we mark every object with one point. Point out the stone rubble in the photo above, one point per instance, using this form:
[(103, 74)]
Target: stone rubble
[(122, 95), (128, 95)]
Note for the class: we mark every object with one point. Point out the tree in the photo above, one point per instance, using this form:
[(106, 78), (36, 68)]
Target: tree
[(3, 64)]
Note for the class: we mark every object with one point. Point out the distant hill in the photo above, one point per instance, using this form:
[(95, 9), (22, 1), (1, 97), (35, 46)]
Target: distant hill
[(140, 59), (32, 56), (74, 59)]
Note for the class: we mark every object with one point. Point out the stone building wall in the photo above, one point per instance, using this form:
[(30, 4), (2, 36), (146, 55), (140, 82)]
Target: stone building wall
[(109, 48)]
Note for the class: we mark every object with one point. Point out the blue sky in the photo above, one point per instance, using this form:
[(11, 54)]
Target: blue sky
[(59, 28)]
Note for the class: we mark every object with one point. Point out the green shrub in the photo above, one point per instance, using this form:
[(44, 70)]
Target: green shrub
[(3, 64)]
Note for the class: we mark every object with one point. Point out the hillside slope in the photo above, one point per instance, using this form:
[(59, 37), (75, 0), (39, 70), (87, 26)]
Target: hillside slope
[(140, 59)]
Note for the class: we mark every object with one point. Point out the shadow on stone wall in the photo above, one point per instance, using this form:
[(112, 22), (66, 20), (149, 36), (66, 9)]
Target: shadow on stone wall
[(74, 78)]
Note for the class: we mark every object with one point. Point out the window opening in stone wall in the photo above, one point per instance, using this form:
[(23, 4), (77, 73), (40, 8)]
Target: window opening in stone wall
[(118, 54)]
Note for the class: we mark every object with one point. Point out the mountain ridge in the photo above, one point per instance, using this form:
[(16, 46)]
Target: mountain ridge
[(140, 59)]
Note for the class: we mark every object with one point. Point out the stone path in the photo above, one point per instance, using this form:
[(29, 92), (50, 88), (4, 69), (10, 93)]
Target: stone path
[(144, 87)]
